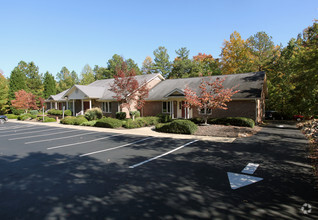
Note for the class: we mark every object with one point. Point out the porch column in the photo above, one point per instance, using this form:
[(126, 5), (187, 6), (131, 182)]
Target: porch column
[(172, 110), (188, 113), (66, 105), (90, 104), (55, 105), (82, 106), (73, 107)]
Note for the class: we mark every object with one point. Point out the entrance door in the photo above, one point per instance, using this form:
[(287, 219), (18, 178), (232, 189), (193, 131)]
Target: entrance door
[(182, 110), (86, 106)]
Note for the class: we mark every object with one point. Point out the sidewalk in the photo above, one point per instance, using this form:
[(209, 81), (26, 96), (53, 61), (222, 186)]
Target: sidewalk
[(145, 131)]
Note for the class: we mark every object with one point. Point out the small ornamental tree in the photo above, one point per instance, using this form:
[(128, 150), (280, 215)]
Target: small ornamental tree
[(212, 95), (127, 89), (24, 100)]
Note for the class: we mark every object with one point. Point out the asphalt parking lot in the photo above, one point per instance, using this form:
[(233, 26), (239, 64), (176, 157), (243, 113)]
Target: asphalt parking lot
[(65, 173)]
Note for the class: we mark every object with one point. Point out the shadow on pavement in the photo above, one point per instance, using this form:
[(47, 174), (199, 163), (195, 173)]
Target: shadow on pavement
[(190, 184)]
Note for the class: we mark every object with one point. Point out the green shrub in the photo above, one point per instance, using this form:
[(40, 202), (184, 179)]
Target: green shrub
[(24, 117), (33, 116), (79, 120), (129, 123), (235, 121), (17, 111), (178, 127), (134, 114), (109, 123), (69, 120), (197, 120), (93, 114), (67, 113), (150, 120), (89, 123), (11, 116), (140, 122), (121, 115), (34, 112), (55, 112), (46, 119), (164, 118)]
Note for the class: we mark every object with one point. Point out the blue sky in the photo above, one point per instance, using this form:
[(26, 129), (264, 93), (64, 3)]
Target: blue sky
[(71, 33)]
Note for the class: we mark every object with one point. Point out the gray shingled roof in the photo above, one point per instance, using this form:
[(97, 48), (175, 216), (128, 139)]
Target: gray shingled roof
[(249, 84), (100, 88), (105, 83), (57, 97)]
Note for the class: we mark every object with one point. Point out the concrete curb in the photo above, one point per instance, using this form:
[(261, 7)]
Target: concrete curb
[(145, 131)]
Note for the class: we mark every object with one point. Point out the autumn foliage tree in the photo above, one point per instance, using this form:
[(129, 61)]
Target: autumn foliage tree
[(24, 100), (127, 89), (212, 95)]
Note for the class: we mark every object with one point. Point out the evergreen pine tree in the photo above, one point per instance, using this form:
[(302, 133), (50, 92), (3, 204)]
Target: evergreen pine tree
[(49, 85)]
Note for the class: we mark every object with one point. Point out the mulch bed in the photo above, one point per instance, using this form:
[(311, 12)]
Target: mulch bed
[(226, 131)]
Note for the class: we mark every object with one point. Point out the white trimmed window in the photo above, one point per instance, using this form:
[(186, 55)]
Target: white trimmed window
[(107, 107), (166, 106), (208, 111)]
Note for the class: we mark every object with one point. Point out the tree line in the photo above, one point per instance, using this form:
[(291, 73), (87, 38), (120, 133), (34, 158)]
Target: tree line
[(292, 71)]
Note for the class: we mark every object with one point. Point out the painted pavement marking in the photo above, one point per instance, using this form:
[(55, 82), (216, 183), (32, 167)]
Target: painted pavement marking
[(29, 132), (114, 148), (84, 142), (53, 139), (13, 128), (41, 135), (250, 168), (162, 155), (240, 180)]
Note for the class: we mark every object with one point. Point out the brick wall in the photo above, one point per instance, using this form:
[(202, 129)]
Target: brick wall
[(235, 109), (152, 108)]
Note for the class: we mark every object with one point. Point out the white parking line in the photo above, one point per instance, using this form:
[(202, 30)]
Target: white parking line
[(29, 132), (41, 135), (16, 130), (15, 127), (113, 148), (84, 142), (53, 139), (169, 152)]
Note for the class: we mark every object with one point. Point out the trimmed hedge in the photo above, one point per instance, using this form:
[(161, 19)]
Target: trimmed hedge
[(11, 116), (46, 119), (71, 120), (164, 118), (108, 123), (121, 115), (197, 120), (140, 122), (59, 112), (235, 121), (17, 111), (24, 117), (93, 114), (34, 112), (89, 123), (178, 127)]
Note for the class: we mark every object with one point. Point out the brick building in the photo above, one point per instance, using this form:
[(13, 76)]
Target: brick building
[(167, 96)]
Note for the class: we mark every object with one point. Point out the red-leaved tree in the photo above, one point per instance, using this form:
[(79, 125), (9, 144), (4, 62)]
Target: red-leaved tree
[(24, 100), (127, 89), (212, 95)]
